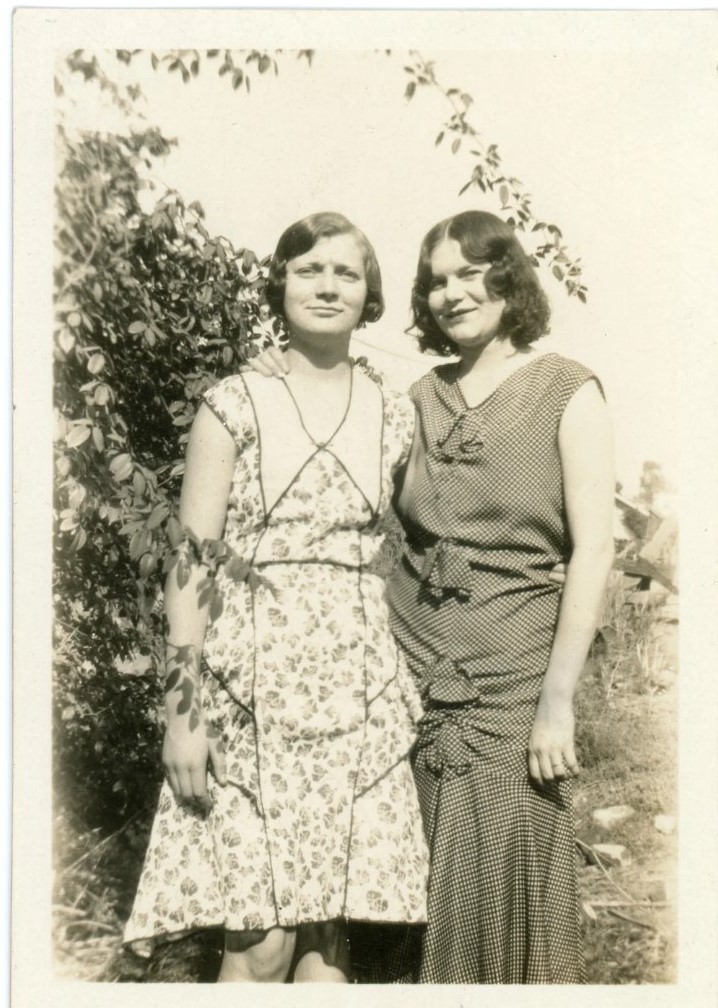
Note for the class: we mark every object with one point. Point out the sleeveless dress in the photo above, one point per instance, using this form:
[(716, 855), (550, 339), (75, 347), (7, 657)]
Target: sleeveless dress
[(475, 614), (302, 678)]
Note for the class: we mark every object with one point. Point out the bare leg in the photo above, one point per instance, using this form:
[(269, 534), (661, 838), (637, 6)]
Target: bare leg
[(266, 962), (311, 968)]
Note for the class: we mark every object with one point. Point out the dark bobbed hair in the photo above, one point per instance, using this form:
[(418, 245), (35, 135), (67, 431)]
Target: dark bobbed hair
[(300, 238), (483, 238)]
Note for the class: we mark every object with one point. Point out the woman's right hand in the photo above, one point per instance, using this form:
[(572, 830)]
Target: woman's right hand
[(186, 755), (271, 363)]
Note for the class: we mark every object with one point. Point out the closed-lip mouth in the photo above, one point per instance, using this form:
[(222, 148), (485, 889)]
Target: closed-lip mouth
[(458, 313), (326, 308)]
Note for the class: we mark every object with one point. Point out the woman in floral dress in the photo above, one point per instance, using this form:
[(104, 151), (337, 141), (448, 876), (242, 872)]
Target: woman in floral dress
[(283, 679)]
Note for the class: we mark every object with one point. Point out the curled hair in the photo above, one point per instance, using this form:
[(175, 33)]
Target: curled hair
[(483, 238), (300, 238)]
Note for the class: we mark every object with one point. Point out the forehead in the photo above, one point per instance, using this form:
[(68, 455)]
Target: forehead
[(447, 257), (340, 249)]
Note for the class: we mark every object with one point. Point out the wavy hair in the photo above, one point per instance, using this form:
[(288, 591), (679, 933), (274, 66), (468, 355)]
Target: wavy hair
[(483, 238), (300, 238)]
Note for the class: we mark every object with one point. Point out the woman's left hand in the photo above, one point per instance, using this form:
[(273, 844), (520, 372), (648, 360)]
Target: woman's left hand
[(551, 751)]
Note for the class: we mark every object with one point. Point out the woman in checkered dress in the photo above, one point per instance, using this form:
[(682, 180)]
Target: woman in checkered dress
[(509, 474)]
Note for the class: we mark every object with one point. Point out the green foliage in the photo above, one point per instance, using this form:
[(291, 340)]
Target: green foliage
[(150, 312)]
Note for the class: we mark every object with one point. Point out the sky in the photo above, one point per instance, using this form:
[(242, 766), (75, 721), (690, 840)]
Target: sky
[(594, 124)]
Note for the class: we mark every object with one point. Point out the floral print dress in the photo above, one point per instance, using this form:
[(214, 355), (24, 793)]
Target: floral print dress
[(302, 678)]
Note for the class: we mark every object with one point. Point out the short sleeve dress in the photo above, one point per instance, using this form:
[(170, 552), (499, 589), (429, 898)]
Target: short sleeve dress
[(304, 682), (475, 613)]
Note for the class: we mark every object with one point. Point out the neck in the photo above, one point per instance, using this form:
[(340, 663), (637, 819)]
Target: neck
[(326, 361), (490, 355)]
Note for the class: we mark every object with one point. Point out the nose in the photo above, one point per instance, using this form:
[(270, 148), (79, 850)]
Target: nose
[(453, 290), (327, 283)]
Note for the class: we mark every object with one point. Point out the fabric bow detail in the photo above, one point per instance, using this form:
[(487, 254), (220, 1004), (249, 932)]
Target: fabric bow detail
[(464, 441)]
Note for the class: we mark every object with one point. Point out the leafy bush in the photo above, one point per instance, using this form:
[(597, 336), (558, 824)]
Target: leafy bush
[(151, 311)]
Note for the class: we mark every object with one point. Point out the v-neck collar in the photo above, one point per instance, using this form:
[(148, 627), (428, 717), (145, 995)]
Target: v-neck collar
[(451, 394)]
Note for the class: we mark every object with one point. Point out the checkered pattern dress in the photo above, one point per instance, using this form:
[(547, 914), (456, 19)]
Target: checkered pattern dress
[(475, 614)]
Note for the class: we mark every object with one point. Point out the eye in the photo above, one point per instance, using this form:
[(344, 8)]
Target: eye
[(436, 283)]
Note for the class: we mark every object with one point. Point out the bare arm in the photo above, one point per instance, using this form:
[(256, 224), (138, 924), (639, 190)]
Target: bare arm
[(586, 447), (187, 746)]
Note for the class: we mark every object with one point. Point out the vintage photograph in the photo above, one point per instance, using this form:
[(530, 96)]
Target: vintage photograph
[(365, 510)]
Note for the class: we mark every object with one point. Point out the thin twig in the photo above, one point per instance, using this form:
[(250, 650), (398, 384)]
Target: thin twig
[(606, 904), (600, 864), (632, 920)]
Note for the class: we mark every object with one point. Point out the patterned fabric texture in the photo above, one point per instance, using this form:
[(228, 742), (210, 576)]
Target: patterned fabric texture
[(301, 676), (475, 614)]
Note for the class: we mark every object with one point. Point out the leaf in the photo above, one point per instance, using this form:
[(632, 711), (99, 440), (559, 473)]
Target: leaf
[(581, 296), (121, 467), (96, 363), (77, 436), (455, 145), (236, 569), (139, 483), (237, 78), (68, 524), (98, 439), (172, 679), (137, 327), (187, 689), (79, 541), (557, 272), (183, 572), (264, 64), (148, 564), (157, 516), (216, 605), (410, 89), (139, 544), (66, 341), (74, 319), (193, 719), (102, 394), (174, 532), (439, 138), (504, 195)]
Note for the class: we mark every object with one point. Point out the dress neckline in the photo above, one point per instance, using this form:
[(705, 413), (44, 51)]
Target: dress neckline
[(345, 414), (453, 382)]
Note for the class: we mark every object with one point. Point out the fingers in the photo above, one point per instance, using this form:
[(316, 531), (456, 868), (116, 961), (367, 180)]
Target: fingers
[(557, 574), (277, 362), (259, 364), (217, 760), (553, 765), (535, 769), (173, 780), (271, 363), (198, 783)]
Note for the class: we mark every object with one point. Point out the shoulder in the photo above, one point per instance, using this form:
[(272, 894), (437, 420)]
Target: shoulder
[(230, 402), (567, 376), (424, 389), (398, 406)]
